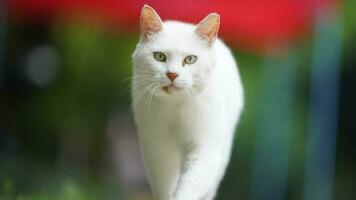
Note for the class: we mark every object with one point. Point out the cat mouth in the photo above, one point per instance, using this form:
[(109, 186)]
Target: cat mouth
[(169, 89)]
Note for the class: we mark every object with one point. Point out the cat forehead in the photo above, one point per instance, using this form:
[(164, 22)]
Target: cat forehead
[(178, 36), (178, 27)]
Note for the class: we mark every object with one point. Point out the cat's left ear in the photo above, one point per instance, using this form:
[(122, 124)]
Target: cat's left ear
[(208, 28), (150, 22)]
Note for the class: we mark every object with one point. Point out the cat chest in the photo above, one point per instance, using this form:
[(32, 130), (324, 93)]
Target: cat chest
[(177, 118)]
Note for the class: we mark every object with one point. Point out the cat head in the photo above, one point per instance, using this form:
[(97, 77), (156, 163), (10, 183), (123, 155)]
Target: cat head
[(174, 58)]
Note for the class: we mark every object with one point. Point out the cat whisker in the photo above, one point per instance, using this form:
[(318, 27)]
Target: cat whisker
[(149, 93), (143, 92), (142, 70), (127, 79), (146, 73), (147, 78), (150, 98), (127, 88), (140, 82), (195, 78), (182, 83), (191, 95), (198, 81), (197, 85), (131, 78), (144, 81)]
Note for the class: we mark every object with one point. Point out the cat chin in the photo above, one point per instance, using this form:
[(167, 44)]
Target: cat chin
[(170, 89)]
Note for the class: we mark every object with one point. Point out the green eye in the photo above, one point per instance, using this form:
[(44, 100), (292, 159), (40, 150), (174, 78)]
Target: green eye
[(159, 56), (190, 59)]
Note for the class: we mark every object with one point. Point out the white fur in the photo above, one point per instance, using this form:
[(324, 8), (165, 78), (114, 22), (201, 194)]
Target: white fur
[(185, 136)]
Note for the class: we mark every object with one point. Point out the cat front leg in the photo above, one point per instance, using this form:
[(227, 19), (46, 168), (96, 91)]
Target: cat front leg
[(162, 160), (202, 169)]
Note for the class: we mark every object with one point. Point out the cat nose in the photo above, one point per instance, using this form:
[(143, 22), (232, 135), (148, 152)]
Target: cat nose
[(172, 75)]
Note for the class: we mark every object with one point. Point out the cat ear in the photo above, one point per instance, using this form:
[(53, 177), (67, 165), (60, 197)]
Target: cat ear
[(150, 22), (208, 28)]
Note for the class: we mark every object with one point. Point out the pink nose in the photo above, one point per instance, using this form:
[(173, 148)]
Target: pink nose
[(172, 75)]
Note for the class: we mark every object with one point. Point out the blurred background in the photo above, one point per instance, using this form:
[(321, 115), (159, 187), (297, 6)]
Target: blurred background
[(66, 127)]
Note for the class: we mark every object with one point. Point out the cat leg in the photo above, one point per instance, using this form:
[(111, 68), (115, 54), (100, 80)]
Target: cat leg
[(201, 170), (212, 192), (162, 165), (210, 195)]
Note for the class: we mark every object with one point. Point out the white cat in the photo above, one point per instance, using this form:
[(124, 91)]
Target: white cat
[(187, 99)]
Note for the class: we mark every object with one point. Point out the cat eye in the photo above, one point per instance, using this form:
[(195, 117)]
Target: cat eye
[(190, 59), (159, 56)]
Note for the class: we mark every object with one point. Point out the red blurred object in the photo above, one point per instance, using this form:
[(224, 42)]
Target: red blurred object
[(251, 24)]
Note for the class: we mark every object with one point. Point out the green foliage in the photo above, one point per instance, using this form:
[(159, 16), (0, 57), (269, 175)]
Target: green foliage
[(66, 190)]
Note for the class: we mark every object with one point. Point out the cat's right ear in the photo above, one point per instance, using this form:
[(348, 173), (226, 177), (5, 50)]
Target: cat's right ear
[(150, 22), (208, 28)]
